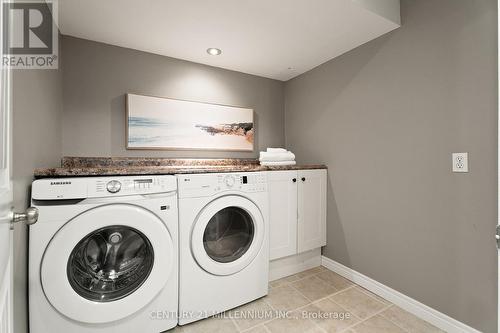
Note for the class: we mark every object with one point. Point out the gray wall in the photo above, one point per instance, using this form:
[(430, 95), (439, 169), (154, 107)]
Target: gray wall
[(96, 77), (386, 117), (37, 106)]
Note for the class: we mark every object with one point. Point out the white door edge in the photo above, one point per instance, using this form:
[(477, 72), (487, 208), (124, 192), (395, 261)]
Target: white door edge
[(6, 196), (6, 295)]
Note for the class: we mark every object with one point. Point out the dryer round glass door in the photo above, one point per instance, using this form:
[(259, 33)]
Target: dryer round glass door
[(227, 235), (107, 263)]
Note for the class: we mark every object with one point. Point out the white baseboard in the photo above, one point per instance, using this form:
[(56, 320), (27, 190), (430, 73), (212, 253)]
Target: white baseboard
[(294, 264), (409, 304)]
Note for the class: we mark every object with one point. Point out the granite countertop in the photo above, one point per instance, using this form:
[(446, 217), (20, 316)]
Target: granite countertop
[(122, 166)]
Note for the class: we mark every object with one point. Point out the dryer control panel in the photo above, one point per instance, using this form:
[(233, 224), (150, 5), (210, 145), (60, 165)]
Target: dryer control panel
[(209, 184), (99, 187)]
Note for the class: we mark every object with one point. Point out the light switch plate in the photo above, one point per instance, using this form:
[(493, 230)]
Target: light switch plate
[(460, 162)]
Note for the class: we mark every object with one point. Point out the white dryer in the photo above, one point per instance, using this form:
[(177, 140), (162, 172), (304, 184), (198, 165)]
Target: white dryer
[(223, 242), (103, 255)]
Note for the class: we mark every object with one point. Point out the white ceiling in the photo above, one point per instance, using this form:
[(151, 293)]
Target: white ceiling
[(279, 39)]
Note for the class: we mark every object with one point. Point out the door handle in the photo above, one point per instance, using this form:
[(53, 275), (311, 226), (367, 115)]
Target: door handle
[(30, 216), (303, 179), (294, 180), (497, 236)]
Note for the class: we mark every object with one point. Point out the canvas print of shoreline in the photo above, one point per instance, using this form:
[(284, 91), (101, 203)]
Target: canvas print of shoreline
[(162, 123)]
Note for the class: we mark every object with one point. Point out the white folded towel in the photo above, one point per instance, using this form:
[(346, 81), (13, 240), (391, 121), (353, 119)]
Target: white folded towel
[(275, 157), (278, 163), (276, 150)]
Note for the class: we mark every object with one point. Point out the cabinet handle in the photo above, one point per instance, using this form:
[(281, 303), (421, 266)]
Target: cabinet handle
[(294, 180), (303, 179)]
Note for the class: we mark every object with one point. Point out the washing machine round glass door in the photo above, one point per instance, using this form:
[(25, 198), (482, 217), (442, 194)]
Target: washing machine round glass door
[(107, 263), (227, 235)]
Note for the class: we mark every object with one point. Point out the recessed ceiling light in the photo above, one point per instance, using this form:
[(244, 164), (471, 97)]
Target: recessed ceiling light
[(214, 51)]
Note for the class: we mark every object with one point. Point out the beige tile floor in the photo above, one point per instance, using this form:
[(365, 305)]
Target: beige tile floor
[(316, 301)]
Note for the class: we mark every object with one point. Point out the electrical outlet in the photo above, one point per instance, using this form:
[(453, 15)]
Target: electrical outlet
[(460, 162)]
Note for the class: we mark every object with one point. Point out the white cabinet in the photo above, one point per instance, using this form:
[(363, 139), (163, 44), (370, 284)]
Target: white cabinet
[(297, 211), (282, 191), (311, 232)]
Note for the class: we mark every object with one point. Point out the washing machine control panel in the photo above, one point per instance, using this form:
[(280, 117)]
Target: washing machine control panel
[(245, 182), (210, 184), (98, 187), (131, 185)]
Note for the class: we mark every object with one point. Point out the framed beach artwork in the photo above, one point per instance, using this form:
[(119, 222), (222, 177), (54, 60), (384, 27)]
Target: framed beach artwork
[(164, 123)]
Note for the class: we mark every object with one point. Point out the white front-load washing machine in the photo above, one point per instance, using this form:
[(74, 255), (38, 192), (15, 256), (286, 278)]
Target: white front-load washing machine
[(223, 242), (103, 255)]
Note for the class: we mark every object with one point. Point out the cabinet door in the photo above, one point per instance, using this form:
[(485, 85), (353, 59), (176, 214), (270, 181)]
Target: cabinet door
[(282, 191), (311, 209)]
